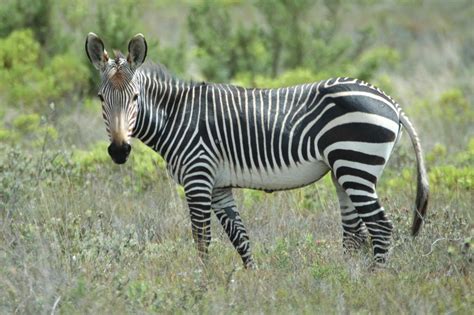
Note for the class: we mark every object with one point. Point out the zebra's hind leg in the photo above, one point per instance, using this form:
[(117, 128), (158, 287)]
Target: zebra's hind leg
[(364, 198), (225, 209), (354, 233)]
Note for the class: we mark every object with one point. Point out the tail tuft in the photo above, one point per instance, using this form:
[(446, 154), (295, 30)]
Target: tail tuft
[(422, 186), (422, 195)]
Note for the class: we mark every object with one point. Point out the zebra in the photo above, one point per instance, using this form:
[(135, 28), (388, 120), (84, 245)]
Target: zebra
[(216, 137)]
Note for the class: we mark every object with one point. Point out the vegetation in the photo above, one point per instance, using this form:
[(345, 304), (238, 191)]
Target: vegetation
[(79, 234)]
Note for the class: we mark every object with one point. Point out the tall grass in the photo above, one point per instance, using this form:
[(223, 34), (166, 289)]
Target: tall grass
[(79, 235), (102, 247)]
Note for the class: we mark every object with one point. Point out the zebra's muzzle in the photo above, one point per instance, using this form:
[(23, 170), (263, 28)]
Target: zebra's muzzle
[(119, 152)]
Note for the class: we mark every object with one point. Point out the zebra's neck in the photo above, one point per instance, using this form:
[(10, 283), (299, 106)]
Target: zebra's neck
[(161, 102)]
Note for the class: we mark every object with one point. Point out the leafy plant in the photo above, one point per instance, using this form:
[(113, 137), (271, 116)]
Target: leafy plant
[(28, 84)]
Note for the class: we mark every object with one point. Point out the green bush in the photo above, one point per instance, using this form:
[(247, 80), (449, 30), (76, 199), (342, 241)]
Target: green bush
[(209, 25), (26, 83), (453, 172), (143, 169), (370, 61), (21, 80), (287, 40), (66, 76), (29, 131), (447, 119), (466, 157), (452, 177), (20, 14), (27, 123)]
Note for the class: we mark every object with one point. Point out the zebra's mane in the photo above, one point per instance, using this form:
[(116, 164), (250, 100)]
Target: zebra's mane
[(159, 71)]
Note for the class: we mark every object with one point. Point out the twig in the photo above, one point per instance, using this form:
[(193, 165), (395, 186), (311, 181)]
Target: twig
[(440, 239), (229, 279), (55, 305)]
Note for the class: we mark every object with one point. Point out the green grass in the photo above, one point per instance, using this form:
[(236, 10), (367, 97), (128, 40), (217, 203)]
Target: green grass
[(99, 246), (80, 235)]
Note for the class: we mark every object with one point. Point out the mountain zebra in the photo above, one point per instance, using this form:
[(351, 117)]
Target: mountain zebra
[(215, 137)]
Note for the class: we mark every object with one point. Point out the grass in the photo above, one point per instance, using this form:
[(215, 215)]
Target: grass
[(83, 236), (99, 246)]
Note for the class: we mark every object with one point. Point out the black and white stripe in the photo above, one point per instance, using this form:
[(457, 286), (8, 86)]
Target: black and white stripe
[(215, 137)]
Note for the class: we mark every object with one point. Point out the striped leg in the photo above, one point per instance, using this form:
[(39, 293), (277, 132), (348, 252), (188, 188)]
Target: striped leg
[(354, 233), (364, 197), (225, 209), (198, 195)]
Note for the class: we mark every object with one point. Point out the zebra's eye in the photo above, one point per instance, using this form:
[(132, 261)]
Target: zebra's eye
[(101, 98), (135, 97)]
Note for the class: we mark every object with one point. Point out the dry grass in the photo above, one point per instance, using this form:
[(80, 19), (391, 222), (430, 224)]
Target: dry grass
[(101, 248)]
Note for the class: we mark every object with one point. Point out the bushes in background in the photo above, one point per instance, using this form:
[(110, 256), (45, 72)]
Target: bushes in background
[(282, 38), (27, 83)]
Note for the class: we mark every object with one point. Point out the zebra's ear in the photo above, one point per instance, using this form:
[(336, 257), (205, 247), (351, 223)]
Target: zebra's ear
[(95, 51), (137, 49)]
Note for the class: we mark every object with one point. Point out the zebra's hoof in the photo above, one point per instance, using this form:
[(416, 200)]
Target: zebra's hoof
[(353, 244), (250, 265)]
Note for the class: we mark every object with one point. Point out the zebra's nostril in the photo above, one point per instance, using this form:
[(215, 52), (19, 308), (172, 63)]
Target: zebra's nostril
[(119, 153), (112, 149), (127, 148)]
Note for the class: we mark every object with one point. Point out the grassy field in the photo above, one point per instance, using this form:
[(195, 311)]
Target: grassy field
[(81, 235), (101, 247)]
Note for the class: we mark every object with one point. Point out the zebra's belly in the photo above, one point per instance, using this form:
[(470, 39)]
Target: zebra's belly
[(294, 176)]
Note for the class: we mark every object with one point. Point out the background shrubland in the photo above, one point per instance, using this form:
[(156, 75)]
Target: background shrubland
[(79, 234)]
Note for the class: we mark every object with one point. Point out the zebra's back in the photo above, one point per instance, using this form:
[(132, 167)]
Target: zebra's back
[(284, 138)]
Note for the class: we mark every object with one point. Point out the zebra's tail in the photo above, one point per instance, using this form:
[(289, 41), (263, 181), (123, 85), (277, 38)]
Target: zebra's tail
[(422, 187)]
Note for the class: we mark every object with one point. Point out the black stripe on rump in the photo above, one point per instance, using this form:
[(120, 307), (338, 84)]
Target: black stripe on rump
[(362, 103), (356, 156), (344, 170), (357, 132)]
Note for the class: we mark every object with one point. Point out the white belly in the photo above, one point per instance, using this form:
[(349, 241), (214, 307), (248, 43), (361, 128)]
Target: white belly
[(297, 175)]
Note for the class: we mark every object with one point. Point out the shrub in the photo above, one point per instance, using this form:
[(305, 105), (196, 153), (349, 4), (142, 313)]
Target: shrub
[(66, 76), (447, 119), (143, 169), (453, 172), (452, 177), (26, 83), (284, 39), (36, 15)]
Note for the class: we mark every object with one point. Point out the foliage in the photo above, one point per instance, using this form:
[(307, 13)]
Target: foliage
[(145, 166), (222, 50), (27, 14), (454, 173), (287, 40), (79, 234), (176, 58), (445, 116), (28, 84), (115, 25), (30, 131)]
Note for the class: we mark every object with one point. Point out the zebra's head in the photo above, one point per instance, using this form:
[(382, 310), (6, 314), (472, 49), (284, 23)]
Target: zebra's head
[(118, 91)]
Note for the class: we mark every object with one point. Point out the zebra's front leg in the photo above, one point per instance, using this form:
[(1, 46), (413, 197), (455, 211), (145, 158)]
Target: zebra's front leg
[(354, 233), (223, 204), (198, 196)]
